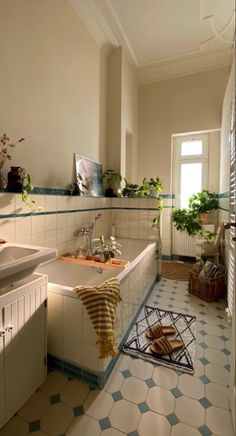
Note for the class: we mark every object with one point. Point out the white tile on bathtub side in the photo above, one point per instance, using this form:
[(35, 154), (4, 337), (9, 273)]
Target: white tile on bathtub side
[(72, 326), (88, 332), (72, 306), (72, 350), (90, 357)]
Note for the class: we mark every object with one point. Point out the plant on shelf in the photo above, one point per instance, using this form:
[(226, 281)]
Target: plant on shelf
[(111, 179), (25, 180), (5, 153), (189, 219), (130, 189), (107, 249)]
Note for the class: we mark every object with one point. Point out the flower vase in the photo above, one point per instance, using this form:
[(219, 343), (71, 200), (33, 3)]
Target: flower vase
[(14, 183)]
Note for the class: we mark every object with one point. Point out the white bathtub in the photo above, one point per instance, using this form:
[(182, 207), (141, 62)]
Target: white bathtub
[(71, 336)]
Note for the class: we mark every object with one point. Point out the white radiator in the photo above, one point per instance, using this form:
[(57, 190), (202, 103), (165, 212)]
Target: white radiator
[(183, 244)]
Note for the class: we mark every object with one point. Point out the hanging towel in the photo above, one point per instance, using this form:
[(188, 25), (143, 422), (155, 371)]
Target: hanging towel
[(101, 302)]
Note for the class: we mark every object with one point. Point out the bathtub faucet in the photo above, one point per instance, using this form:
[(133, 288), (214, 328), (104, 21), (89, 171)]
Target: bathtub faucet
[(84, 230)]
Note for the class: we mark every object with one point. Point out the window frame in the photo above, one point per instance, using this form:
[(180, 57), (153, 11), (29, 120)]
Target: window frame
[(179, 160)]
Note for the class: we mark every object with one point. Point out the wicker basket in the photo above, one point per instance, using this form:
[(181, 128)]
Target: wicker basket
[(205, 288)]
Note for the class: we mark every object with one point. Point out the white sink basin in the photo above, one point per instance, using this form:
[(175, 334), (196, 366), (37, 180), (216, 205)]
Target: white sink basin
[(18, 261)]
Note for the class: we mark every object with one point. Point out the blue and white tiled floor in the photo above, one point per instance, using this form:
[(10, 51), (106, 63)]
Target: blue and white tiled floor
[(142, 399)]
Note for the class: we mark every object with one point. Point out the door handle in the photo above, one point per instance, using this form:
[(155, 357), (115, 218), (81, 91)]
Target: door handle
[(228, 225)]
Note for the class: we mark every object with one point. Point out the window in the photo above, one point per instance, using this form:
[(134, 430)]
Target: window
[(190, 174)]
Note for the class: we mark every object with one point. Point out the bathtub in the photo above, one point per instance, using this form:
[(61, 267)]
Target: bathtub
[(71, 336)]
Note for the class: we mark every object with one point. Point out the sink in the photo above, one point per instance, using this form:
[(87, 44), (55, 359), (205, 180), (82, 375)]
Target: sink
[(17, 261)]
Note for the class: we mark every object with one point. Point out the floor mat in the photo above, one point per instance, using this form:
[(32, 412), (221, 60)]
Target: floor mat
[(137, 343), (175, 270)]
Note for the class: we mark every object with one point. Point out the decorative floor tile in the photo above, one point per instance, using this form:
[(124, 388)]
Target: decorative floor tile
[(204, 430), (54, 383), (111, 432), (216, 356), (55, 399), (205, 403), (34, 426), (115, 382), (125, 416), (98, 404), (84, 425), (176, 392), (74, 393), (219, 421), (165, 377), (191, 386), (217, 374), (141, 369), (57, 419), (190, 411), (78, 410), (150, 383), (160, 400), (134, 389), (104, 423), (16, 426), (181, 429), (35, 407), (218, 395), (143, 407), (173, 419), (152, 422), (117, 396)]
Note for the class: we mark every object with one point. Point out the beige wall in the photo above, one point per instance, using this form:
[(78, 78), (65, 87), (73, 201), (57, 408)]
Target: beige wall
[(185, 104), (53, 88), (122, 112)]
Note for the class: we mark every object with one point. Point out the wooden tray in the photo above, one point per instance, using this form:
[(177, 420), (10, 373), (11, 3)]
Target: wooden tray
[(114, 263)]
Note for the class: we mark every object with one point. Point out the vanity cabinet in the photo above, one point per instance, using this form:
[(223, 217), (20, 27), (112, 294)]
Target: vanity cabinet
[(22, 343)]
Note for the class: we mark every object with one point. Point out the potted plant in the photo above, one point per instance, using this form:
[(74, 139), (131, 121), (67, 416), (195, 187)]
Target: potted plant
[(190, 219), (111, 178), (5, 145), (203, 202), (106, 249), (25, 180), (130, 189)]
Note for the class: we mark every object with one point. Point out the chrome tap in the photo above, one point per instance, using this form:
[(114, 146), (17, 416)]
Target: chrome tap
[(84, 230)]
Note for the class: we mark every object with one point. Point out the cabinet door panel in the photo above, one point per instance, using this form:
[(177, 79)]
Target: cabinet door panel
[(2, 384), (24, 359)]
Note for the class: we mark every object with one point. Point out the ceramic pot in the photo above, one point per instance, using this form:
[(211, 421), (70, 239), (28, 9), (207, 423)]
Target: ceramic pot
[(14, 183)]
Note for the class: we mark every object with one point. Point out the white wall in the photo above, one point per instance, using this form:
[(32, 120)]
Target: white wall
[(225, 151), (53, 88), (185, 104)]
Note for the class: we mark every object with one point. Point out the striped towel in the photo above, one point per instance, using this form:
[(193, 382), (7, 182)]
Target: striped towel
[(101, 302)]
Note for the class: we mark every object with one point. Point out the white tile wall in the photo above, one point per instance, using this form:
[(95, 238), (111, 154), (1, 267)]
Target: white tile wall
[(56, 229)]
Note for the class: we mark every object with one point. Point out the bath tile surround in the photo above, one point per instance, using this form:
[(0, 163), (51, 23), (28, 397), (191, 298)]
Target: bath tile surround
[(62, 214), (176, 404)]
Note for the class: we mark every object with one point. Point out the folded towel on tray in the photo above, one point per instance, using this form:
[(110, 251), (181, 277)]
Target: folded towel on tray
[(101, 302)]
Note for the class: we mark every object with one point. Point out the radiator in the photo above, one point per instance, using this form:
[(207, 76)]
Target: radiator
[(183, 244)]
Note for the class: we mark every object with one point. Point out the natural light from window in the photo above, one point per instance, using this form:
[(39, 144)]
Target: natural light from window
[(191, 148), (191, 181)]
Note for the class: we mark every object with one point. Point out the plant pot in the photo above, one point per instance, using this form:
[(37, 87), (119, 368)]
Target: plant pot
[(109, 192), (205, 218), (14, 183)]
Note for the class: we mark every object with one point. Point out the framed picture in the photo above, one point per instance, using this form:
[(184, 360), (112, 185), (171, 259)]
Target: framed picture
[(89, 176)]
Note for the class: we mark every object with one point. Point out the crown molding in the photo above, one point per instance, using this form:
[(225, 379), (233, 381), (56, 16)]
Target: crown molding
[(170, 68), (95, 22)]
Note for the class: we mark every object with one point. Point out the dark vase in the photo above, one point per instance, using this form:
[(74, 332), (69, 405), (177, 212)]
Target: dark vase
[(109, 192), (14, 183)]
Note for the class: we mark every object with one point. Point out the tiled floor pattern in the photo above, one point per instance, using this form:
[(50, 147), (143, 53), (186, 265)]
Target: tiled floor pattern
[(142, 399)]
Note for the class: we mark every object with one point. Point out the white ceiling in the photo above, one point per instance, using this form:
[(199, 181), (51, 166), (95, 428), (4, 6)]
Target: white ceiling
[(164, 38)]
